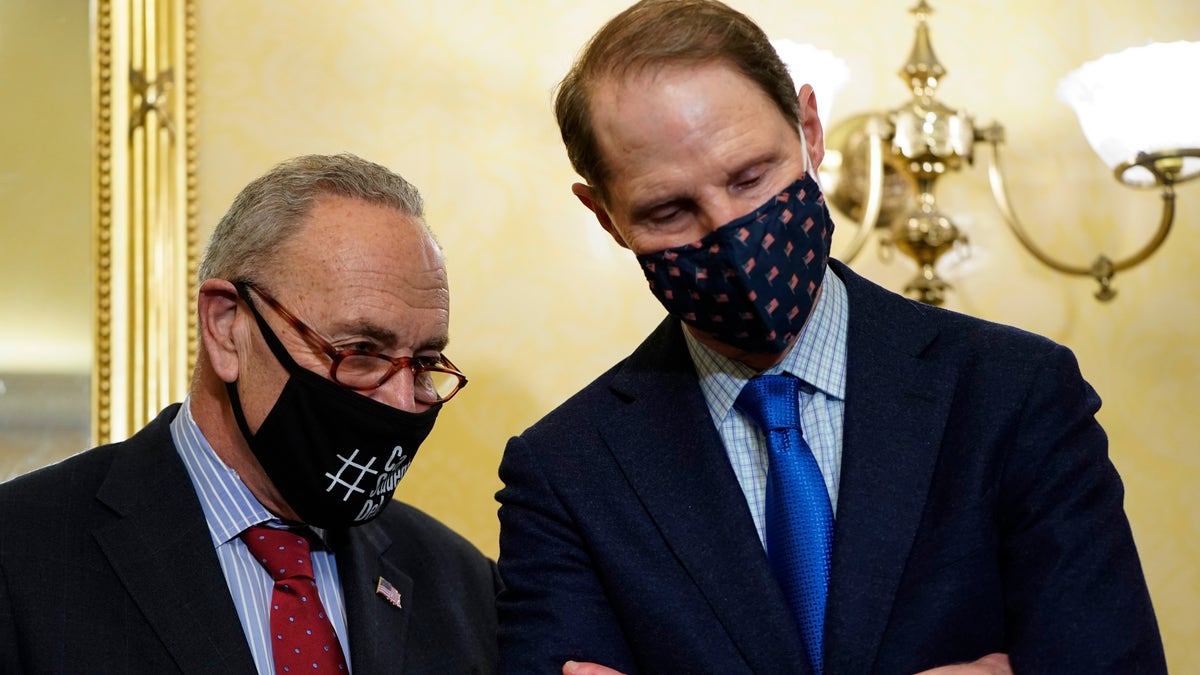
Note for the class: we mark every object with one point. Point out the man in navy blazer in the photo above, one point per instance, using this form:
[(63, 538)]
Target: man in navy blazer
[(978, 519), (323, 311)]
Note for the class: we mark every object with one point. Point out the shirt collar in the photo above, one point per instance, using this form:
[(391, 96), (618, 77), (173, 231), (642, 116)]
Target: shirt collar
[(229, 506), (818, 356)]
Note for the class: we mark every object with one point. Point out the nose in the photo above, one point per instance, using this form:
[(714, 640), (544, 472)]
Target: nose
[(397, 392), (721, 210)]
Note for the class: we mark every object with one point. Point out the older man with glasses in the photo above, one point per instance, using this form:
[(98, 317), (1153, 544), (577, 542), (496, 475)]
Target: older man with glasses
[(252, 528)]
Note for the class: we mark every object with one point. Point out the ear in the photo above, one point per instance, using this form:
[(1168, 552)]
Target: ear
[(810, 126), (216, 309), (587, 195)]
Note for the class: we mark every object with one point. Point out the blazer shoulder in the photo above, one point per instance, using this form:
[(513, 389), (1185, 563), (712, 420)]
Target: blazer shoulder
[(57, 487), (414, 530), (66, 491), (992, 336), (661, 362), (580, 405), (878, 314)]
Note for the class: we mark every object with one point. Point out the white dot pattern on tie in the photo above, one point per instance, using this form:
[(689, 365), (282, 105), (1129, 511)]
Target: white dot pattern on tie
[(304, 637)]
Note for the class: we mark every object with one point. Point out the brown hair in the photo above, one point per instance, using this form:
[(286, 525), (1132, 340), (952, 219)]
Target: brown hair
[(657, 32)]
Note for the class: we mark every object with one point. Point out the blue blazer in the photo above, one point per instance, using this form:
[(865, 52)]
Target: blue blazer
[(107, 566), (978, 512)]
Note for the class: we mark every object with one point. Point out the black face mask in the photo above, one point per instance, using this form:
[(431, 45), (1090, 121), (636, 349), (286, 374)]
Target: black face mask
[(335, 455)]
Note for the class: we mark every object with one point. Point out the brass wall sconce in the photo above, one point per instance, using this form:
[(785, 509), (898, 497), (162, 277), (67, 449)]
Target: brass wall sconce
[(882, 168)]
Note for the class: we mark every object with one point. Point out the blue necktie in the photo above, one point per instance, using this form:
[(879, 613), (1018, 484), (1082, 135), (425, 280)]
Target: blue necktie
[(799, 517)]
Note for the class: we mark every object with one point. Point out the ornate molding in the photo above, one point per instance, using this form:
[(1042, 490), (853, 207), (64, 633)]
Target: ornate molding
[(144, 210)]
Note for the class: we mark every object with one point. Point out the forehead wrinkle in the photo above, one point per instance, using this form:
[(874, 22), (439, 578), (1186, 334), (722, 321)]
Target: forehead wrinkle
[(696, 139), (386, 337), (367, 271), (367, 329)]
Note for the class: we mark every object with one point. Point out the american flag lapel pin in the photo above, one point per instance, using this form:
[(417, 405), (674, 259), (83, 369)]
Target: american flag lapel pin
[(387, 590)]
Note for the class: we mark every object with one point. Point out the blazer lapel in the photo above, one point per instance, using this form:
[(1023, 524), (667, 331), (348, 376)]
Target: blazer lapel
[(675, 461), (162, 552), (378, 625), (897, 405)]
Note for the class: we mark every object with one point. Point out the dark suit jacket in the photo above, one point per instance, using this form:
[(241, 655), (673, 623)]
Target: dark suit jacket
[(978, 512), (106, 565)]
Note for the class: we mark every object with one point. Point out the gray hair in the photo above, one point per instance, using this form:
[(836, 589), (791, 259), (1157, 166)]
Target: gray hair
[(272, 208)]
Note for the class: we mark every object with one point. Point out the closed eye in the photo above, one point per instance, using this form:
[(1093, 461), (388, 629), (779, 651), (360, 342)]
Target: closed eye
[(748, 183), (663, 215), (666, 213), (748, 178)]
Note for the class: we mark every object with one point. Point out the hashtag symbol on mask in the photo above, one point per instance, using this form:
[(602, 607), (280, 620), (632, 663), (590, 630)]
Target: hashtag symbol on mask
[(348, 463)]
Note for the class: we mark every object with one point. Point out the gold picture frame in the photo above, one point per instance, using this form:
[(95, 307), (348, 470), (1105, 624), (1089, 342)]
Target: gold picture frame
[(144, 210)]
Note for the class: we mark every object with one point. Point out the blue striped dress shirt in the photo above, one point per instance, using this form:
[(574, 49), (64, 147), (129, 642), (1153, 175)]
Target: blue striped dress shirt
[(819, 359), (229, 508)]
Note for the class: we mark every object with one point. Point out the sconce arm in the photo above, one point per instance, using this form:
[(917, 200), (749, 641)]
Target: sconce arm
[(1103, 268), (876, 130)]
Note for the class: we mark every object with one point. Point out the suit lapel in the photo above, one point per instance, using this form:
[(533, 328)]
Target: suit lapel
[(674, 460), (378, 628), (162, 552), (896, 409)]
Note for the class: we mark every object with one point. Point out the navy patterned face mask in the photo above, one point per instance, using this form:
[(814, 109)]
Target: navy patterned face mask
[(750, 283)]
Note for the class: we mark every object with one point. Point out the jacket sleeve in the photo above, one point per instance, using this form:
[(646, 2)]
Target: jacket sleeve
[(553, 607), (1075, 597), (9, 649)]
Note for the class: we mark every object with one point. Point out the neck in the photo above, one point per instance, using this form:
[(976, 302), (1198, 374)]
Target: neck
[(213, 414), (758, 362)]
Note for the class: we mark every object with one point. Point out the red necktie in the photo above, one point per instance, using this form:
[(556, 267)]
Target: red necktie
[(302, 637)]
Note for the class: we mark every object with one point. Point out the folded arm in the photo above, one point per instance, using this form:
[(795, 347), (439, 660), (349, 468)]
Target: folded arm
[(992, 664), (553, 607), (1076, 600)]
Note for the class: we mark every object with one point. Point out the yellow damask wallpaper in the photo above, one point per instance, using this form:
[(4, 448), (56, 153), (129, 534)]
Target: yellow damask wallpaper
[(455, 95)]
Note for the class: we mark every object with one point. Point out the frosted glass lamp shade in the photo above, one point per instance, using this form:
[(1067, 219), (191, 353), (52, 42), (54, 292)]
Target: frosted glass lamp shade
[(817, 67), (1142, 99)]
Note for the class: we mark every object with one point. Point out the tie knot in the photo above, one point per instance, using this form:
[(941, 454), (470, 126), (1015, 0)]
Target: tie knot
[(284, 554), (771, 401)]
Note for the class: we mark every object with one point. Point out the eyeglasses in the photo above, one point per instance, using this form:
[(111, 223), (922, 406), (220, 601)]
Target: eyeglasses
[(435, 378)]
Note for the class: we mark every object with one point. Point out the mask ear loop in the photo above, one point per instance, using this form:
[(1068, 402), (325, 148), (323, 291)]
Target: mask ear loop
[(804, 151), (809, 169)]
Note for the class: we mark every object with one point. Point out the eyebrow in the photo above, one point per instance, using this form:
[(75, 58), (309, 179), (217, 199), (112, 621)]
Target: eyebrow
[(642, 207), (387, 338), (437, 344)]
